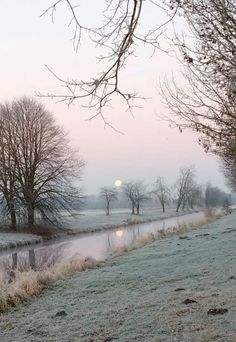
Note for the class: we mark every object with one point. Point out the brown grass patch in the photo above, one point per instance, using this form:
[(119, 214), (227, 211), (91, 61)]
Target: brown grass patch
[(28, 284), (144, 240), (123, 249)]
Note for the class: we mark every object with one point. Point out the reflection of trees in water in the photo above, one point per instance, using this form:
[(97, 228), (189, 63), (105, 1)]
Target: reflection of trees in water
[(30, 260), (164, 225), (135, 234), (49, 256), (114, 240), (109, 246), (129, 236), (14, 260)]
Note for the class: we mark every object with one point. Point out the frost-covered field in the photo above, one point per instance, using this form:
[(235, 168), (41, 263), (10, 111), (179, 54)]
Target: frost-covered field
[(144, 295), (13, 240), (92, 220)]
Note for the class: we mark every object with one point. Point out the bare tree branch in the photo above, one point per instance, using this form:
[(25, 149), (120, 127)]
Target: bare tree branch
[(118, 37)]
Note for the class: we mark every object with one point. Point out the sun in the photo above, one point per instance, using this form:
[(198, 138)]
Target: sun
[(118, 182)]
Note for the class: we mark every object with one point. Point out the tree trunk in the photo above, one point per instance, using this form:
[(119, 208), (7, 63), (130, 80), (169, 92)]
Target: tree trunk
[(30, 210), (13, 218), (12, 211), (108, 209), (178, 206), (132, 209)]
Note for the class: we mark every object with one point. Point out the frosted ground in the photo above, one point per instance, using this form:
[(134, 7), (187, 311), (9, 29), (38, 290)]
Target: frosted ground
[(92, 220), (141, 295)]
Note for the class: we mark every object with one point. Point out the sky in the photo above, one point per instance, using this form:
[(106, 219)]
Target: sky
[(147, 147)]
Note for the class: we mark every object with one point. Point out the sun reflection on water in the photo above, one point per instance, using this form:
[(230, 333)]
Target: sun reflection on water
[(119, 233)]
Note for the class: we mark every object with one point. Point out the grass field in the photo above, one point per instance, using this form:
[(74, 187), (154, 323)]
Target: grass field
[(180, 288)]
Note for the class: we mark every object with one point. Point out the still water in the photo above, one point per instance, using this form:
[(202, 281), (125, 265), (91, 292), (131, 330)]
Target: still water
[(96, 245)]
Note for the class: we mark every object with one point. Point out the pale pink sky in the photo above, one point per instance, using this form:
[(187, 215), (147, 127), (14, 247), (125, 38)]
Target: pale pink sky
[(147, 149)]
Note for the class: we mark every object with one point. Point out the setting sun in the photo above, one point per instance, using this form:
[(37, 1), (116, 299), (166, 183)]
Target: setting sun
[(118, 182)]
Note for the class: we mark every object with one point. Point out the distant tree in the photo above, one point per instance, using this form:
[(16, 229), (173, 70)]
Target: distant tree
[(194, 195), (162, 192), (43, 165), (183, 185), (140, 194), (215, 197), (109, 195), (136, 192), (129, 191)]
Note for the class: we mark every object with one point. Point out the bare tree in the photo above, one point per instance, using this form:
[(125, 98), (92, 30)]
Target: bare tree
[(137, 193), (140, 194), (183, 185), (118, 37), (207, 101), (194, 195), (109, 195), (44, 165), (162, 192), (129, 191)]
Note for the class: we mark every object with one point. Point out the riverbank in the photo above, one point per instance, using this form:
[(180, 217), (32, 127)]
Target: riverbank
[(180, 288), (86, 222), (15, 240)]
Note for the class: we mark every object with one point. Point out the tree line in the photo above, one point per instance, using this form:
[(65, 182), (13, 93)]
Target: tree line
[(37, 165), (186, 193)]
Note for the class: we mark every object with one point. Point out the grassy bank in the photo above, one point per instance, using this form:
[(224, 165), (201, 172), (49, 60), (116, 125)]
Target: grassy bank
[(180, 288), (18, 285)]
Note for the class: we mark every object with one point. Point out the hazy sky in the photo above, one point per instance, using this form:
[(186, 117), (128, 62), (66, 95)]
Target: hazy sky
[(147, 148)]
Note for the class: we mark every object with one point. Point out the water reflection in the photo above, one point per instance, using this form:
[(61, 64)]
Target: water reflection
[(119, 233), (33, 259)]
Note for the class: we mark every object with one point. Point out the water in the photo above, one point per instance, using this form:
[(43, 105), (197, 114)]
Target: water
[(96, 245)]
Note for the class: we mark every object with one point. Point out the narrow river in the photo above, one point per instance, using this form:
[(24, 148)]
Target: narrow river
[(96, 245)]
